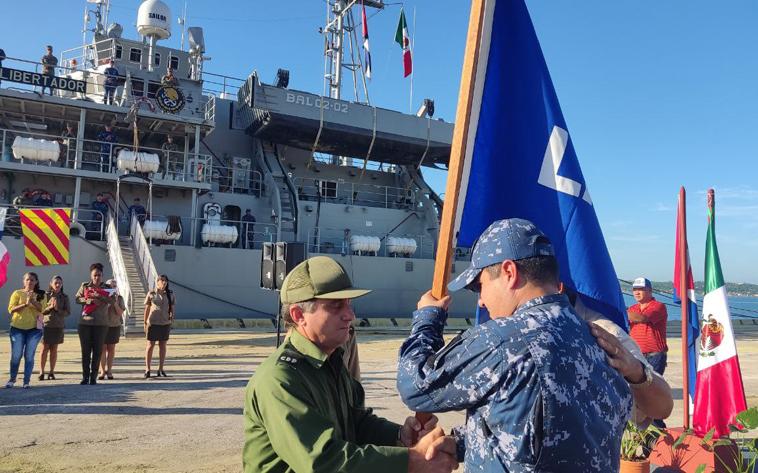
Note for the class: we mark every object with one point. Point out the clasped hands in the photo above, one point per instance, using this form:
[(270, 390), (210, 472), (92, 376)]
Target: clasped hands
[(433, 451)]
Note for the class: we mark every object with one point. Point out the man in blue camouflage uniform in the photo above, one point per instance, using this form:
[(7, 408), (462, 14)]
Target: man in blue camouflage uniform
[(539, 394)]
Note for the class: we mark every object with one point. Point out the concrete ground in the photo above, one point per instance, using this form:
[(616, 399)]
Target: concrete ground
[(192, 420)]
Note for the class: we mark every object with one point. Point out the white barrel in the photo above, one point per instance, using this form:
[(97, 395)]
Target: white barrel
[(221, 234), (158, 230), (365, 243), (142, 162), (35, 150), (401, 246)]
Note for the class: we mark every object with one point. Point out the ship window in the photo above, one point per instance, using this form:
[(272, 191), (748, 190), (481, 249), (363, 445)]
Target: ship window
[(152, 88), (328, 189), (138, 87), (174, 63), (157, 59), (135, 55), (119, 51)]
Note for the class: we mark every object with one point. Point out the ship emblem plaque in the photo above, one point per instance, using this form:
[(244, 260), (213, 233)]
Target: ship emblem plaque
[(170, 99)]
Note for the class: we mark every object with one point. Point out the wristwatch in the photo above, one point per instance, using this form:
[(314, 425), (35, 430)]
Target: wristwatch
[(647, 381)]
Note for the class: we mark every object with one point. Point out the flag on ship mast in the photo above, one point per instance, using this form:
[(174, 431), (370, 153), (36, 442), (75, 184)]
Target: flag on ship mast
[(520, 160), (693, 320), (5, 257), (404, 40), (720, 395), (367, 58)]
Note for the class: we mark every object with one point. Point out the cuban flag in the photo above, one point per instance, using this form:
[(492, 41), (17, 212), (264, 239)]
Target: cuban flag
[(693, 320), (367, 58), (5, 257), (520, 160)]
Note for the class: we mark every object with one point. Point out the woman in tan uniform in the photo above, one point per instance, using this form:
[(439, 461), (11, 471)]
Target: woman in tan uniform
[(159, 314), (57, 309), (93, 324), (115, 311)]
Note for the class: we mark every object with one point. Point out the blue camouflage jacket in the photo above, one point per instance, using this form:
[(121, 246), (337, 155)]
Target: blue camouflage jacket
[(538, 392)]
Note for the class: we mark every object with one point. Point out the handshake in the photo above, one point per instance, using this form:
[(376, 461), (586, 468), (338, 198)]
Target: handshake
[(429, 449)]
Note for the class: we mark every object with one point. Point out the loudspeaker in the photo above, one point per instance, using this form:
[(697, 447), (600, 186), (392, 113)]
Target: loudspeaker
[(286, 257), (267, 267)]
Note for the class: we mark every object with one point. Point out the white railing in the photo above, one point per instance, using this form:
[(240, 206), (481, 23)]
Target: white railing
[(142, 256), (237, 181), (251, 235), (102, 156), (119, 268), (337, 241), (88, 222), (351, 193)]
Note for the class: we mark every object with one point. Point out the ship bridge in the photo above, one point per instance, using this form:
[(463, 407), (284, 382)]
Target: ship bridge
[(339, 127)]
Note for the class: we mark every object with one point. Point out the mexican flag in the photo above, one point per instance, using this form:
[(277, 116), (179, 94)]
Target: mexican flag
[(404, 40), (719, 395)]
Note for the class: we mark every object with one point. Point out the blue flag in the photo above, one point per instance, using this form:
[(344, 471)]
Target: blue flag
[(520, 160)]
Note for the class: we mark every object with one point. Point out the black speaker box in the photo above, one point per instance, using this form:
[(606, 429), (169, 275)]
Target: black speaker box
[(286, 257)]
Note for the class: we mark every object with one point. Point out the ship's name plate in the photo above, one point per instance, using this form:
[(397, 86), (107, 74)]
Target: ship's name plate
[(39, 80), (318, 102)]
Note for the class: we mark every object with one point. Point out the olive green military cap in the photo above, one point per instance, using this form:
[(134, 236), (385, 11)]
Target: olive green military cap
[(319, 277)]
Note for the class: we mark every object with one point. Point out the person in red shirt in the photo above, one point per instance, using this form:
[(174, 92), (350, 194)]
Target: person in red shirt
[(647, 321), (647, 326)]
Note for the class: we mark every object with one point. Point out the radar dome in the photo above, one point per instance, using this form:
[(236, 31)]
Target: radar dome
[(154, 19)]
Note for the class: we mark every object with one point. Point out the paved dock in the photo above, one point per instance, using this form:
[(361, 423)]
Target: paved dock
[(192, 420)]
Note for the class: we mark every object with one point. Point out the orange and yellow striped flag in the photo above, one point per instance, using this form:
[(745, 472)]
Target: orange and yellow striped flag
[(46, 236)]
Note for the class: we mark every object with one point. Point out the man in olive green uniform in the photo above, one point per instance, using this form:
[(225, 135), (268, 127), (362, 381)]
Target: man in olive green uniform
[(305, 413)]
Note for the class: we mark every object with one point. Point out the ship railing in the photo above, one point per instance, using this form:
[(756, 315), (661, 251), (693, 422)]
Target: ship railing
[(87, 55), (102, 156), (209, 110), (237, 180), (119, 268), (250, 235), (142, 256), (87, 223), (94, 80), (337, 241), (351, 193), (354, 164), (221, 86)]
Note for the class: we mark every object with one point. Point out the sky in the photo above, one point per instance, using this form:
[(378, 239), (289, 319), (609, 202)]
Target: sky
[(656, 95)]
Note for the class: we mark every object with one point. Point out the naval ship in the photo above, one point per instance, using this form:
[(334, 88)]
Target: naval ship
[(339, 177)]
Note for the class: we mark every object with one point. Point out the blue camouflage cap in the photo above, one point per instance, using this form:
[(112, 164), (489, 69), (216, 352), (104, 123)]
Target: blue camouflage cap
[(508, 239)]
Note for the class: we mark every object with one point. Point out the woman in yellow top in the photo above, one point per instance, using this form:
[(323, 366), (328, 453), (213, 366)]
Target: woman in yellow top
[(25, 307)]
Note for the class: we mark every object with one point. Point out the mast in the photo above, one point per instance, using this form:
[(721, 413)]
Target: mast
[(337, 25)]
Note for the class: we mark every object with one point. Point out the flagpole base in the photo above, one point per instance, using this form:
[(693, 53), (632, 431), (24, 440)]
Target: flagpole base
[(692, 452)]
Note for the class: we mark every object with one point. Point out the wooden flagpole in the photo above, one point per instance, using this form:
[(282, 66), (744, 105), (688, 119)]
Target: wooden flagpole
[(444, 256), (685, 302)]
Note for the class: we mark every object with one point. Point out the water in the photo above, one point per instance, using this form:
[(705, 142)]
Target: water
[(741, 307)]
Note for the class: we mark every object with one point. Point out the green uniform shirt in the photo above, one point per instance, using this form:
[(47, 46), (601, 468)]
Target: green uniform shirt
[(304, 413)]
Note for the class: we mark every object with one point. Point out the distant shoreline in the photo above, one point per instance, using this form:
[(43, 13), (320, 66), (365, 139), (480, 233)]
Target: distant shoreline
[(732, 288)]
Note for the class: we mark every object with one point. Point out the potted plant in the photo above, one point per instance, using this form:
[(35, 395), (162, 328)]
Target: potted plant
[(743, 456), (635, 450)]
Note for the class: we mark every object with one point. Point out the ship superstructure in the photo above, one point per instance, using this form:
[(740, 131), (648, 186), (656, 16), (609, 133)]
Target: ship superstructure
[(205, 152)]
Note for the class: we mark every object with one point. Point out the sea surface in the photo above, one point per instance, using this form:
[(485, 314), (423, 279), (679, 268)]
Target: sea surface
[(741, 307)]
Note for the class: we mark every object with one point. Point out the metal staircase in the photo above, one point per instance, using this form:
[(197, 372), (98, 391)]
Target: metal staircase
[(286, 193), (134, 318)]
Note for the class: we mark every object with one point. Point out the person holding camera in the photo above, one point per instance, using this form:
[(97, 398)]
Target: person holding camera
[(25, 307)]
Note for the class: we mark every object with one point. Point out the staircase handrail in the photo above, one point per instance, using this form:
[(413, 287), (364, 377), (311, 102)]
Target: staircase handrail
[(119, 268), (290, 188), (142, 256)]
